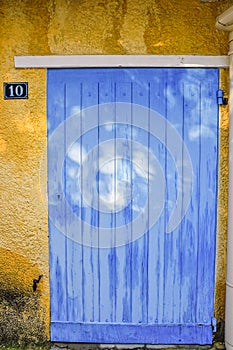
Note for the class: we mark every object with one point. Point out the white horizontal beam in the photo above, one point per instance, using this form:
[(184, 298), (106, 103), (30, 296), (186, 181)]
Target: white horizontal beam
[(81, 61)]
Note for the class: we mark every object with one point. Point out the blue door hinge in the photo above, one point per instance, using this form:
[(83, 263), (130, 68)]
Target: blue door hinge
[(221, 100), (214, 324)]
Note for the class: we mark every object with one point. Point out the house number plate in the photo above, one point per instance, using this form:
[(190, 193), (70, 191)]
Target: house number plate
[(15, 90)]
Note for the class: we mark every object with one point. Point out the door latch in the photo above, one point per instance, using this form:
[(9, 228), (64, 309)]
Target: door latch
[(221, 100)]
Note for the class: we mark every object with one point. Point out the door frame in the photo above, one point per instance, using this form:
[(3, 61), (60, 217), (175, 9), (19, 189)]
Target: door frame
[(112, 61), (126, 61)]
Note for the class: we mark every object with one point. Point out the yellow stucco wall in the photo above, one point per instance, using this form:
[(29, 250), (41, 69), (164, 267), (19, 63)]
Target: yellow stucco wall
[(52, 27)]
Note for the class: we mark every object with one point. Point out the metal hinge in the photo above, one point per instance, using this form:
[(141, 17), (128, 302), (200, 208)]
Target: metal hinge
[(214, 324), (221, 100)]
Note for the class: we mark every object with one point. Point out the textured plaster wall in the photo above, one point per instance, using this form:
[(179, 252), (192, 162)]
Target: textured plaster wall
[(222, 202), (40, 27)]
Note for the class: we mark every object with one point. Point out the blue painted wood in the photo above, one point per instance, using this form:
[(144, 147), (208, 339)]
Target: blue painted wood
[(156, 236), (123, 93), (58, 284), (172, 275), (154, 287), (131, 333), (107, 257), (190, 223)]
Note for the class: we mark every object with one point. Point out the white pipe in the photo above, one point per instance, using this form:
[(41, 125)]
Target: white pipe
[(225, 22)]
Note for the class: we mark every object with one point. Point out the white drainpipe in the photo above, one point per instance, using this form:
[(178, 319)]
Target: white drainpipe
[(225, 22)]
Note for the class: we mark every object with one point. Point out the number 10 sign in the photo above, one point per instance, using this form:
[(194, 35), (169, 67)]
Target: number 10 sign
[(15, 90)]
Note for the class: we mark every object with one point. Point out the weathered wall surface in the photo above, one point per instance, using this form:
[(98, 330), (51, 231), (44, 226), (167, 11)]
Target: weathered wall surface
[(222, 203), (51, 27)]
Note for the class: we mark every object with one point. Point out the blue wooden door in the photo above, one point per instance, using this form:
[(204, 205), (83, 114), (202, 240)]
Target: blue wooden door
[(132, 181)]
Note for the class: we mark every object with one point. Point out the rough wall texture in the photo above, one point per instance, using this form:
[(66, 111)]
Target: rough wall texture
[(222, 203), (40, 27)]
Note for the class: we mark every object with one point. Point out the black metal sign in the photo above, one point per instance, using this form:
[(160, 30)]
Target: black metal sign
[(15, 90)]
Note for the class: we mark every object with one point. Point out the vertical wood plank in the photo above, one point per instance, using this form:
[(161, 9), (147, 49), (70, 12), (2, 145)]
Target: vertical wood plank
[(208, 207), (173, 158), (72, 167), (123, 254), (190, 222), (157, 232), (90, 215), (140, 246), (57, 239), (107, 256)]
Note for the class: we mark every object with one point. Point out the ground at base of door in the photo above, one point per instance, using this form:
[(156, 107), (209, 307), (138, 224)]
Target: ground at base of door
[(81, 346)]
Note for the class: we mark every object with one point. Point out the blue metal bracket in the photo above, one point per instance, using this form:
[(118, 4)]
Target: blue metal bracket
[(221, 100), (214, 324)]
